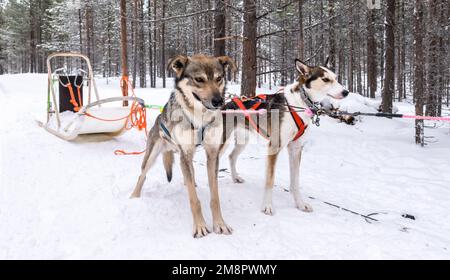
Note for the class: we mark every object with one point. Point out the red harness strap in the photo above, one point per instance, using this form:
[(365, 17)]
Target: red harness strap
[(298, 122), (242, 107), (301, 126)]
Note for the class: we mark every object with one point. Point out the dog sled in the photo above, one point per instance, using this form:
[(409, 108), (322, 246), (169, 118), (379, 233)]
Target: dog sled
[(97, 116)]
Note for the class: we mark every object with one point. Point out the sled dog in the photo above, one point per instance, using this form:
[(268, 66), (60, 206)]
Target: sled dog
[(286, 125), (191, 117)]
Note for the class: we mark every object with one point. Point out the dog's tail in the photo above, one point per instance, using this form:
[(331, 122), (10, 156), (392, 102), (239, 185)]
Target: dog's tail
[(168, 163)]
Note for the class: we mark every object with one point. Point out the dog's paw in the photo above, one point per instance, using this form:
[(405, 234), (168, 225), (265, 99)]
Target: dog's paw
[(222, 228), (238, 179), (305, 207), (268, 209), (200, 230), (135, 195)]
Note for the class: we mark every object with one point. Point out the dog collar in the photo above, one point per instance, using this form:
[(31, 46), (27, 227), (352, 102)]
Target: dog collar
[(311, 110)]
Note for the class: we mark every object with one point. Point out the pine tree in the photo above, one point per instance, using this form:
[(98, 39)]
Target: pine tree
[(2, 41), (371, 54), (419, 62), (249, 51), (219, 28), (389, 79)]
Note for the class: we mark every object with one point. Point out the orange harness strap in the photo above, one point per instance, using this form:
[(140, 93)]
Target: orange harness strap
[(301, 126), (72, 97), (242, 107), (298, 122), (79, 96)]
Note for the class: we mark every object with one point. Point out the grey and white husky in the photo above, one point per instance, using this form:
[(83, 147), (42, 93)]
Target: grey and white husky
[(192, 116)]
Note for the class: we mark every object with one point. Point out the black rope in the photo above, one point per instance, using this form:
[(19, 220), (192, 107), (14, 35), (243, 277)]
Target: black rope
[(356, 114), (368, 217)]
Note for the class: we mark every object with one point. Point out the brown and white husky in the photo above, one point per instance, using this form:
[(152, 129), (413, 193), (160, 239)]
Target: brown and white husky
[(313, 85)]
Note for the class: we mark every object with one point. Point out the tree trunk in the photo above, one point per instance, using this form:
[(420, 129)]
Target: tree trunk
[(283, 47), (351, 50), (141, 37), (32, 37), (80, 30), (163, 45), (123, 43), (371, 54), (150, 46), (219, 28), (389, 79), (433, 72), (155, 41), (419, 69), (134, 43), (248, 86), (109, 41), (331, 35), (359, 58), (89, 33), (400, 43), (40, 23), (301, 34)]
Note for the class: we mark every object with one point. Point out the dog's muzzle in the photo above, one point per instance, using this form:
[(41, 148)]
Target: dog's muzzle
[(341, 95), (217, 101)]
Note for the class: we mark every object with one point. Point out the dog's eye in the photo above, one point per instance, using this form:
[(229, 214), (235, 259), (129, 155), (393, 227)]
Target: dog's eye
[(199, 80), (219, 79), (326, 80)]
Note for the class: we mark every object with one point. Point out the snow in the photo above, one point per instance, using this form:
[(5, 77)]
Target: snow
[(69, 200)]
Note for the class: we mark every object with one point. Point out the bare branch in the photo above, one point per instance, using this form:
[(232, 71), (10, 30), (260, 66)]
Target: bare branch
[(292, 67), (315, 54), (276, 9), (231, 37), (173, 17), (231, 7), (275, 71), (265, 58), (273, 33)]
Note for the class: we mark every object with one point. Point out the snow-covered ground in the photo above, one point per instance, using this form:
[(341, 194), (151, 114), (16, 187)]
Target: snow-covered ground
[(69, 200)]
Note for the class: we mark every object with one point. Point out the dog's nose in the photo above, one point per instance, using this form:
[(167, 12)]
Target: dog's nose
[(345, 93), (217, 101)]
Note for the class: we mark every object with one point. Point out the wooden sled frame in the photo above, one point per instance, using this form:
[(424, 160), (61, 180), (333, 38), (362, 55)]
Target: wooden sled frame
[(77, 125)]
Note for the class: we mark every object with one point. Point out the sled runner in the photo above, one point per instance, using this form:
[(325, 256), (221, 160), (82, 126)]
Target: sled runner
[(89, 117)]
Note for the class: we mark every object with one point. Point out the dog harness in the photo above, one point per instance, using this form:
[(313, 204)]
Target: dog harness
[(301, 126), (258, 100), (255, 103), (168, 136)]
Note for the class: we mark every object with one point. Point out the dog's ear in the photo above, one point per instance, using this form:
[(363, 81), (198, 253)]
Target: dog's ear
[(178, 64), (226, 61), (328, 62), (302, 68)]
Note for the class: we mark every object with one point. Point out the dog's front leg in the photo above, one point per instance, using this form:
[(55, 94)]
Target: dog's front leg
[(154, 146), (295, 156), (240, 141), (219, 225), (267, 207), (200, 228)]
